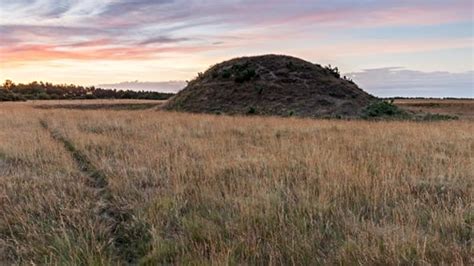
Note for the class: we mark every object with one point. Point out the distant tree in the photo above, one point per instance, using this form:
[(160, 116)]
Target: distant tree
[(46, 90), (8, 84)]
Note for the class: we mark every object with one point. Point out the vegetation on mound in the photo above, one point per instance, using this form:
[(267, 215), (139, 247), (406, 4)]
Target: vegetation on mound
[(274, 85), (240, 73), (48, 91)]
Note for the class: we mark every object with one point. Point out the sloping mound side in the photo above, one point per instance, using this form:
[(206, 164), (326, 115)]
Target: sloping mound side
[(271, 85)]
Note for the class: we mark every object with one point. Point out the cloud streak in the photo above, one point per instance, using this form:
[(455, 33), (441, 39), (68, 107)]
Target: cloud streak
[(393, 81), (164, 86), (127, 23)]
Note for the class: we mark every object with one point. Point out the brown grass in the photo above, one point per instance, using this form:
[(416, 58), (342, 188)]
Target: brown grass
[(461, 108), (118, 104), (186, 188)]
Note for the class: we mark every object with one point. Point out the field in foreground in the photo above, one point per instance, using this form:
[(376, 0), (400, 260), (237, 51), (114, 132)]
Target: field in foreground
[(143, 186)]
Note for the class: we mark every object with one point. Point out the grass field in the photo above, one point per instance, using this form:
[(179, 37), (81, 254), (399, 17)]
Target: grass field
[(115, 186), (460, 108)]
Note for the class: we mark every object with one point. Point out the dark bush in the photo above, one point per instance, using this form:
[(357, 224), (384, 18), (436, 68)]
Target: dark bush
[(291, 66), (240, 67), (226, 74), (43, 96), (245, 75), (6, 96), (383, 109), (333, 71), (252, 110)]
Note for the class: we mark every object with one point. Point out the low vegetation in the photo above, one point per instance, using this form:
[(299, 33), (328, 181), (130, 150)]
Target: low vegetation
[(383, 109), (455, 108), (10, 91), (388, 110), (149, 187)]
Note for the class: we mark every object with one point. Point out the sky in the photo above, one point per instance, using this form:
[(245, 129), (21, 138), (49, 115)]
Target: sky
[(390, 48)]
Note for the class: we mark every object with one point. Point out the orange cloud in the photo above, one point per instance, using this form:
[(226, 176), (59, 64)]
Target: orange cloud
[(91, 50)]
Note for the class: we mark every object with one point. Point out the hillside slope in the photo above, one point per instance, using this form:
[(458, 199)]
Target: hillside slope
[(271, 85)]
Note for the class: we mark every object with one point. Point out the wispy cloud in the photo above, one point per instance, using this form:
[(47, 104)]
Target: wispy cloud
[(126, 23), (163, 39), (163, 86), (394, 81)]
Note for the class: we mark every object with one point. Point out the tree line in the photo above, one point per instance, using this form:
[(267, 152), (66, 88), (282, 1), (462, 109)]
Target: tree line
[(10, 91)]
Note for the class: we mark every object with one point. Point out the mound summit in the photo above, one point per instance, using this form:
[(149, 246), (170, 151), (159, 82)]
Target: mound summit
[(271, 85)]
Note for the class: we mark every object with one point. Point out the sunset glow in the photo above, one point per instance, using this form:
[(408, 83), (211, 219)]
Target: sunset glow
[(93, 42)]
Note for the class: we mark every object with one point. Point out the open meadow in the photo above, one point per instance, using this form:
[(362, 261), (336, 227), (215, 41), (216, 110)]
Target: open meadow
[(462, 108), (99, 186)]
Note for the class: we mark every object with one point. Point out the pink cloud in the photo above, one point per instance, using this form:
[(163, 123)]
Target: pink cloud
[(375, 47), (113, 37), (81, 51), (380, 17)]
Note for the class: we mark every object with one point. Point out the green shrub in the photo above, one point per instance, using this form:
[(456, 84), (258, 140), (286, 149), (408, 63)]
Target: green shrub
[(6, 96), (43, 96), (383, 109), (252, 110), (240, 67), (245, 75), (226, 73)]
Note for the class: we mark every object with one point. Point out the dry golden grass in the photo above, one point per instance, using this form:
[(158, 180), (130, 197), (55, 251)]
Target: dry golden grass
[(461, 108), (214, 189)]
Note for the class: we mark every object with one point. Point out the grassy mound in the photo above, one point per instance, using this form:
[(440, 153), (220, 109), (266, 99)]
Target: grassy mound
[(272, 85)]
